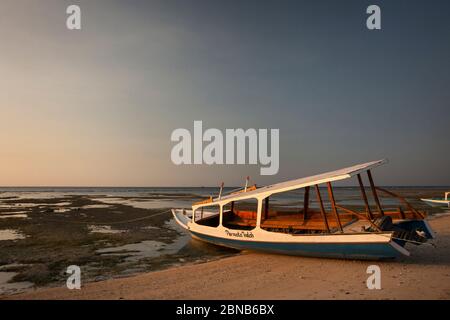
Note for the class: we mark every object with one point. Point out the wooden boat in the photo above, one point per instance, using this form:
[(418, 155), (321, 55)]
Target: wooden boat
[(247, 220), (439, 202)]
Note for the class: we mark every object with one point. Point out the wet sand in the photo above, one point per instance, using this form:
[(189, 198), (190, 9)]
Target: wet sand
[(423, 275), (122, 238)]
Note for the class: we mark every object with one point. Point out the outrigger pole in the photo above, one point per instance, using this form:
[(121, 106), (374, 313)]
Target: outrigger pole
[(402, 199)]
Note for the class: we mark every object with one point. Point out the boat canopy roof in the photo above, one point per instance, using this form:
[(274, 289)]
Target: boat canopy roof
[(336, 175)]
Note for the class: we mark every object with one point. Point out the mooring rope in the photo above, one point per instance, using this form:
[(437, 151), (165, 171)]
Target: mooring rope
[(165, 211), (109, 223)]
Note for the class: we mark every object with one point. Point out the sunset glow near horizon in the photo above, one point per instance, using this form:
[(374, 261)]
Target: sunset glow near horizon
[(97, 106)]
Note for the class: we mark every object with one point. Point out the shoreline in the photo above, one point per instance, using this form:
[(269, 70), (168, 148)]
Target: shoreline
[(252, 275)]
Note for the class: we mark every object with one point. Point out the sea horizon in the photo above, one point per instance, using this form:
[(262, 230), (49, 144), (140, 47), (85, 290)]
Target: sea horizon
[(200, 187)]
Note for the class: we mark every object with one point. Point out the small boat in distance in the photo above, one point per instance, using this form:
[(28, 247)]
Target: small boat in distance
[(439, 202), (248, 220)]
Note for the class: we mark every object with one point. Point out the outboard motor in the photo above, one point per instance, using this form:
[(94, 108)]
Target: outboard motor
[(403, 232)]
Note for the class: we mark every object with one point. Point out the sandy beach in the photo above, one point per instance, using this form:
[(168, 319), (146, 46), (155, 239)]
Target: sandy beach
[(423, 275)]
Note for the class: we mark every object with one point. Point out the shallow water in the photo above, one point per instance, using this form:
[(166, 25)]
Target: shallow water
[(8, 216), (8, 287), (149, 248), (104, 229), (10, 234), (144, 203)]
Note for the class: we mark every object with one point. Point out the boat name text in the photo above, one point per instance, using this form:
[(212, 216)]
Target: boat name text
[(240, 234)]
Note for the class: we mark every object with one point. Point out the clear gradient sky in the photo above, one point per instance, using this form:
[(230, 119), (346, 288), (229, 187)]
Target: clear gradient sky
[(96, 107)]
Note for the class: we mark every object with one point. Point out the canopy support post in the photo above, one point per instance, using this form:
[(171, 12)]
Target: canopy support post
[(266, 208), (305, 203), (322, 209), (374, 192), (221, 189), (333, 206), (366, 202), (402, 213)]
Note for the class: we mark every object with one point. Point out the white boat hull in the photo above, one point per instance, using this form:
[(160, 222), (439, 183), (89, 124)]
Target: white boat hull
[(370, 246)]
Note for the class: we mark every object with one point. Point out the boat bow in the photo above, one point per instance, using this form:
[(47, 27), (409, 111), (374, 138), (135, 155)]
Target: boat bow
[(181, 218)]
